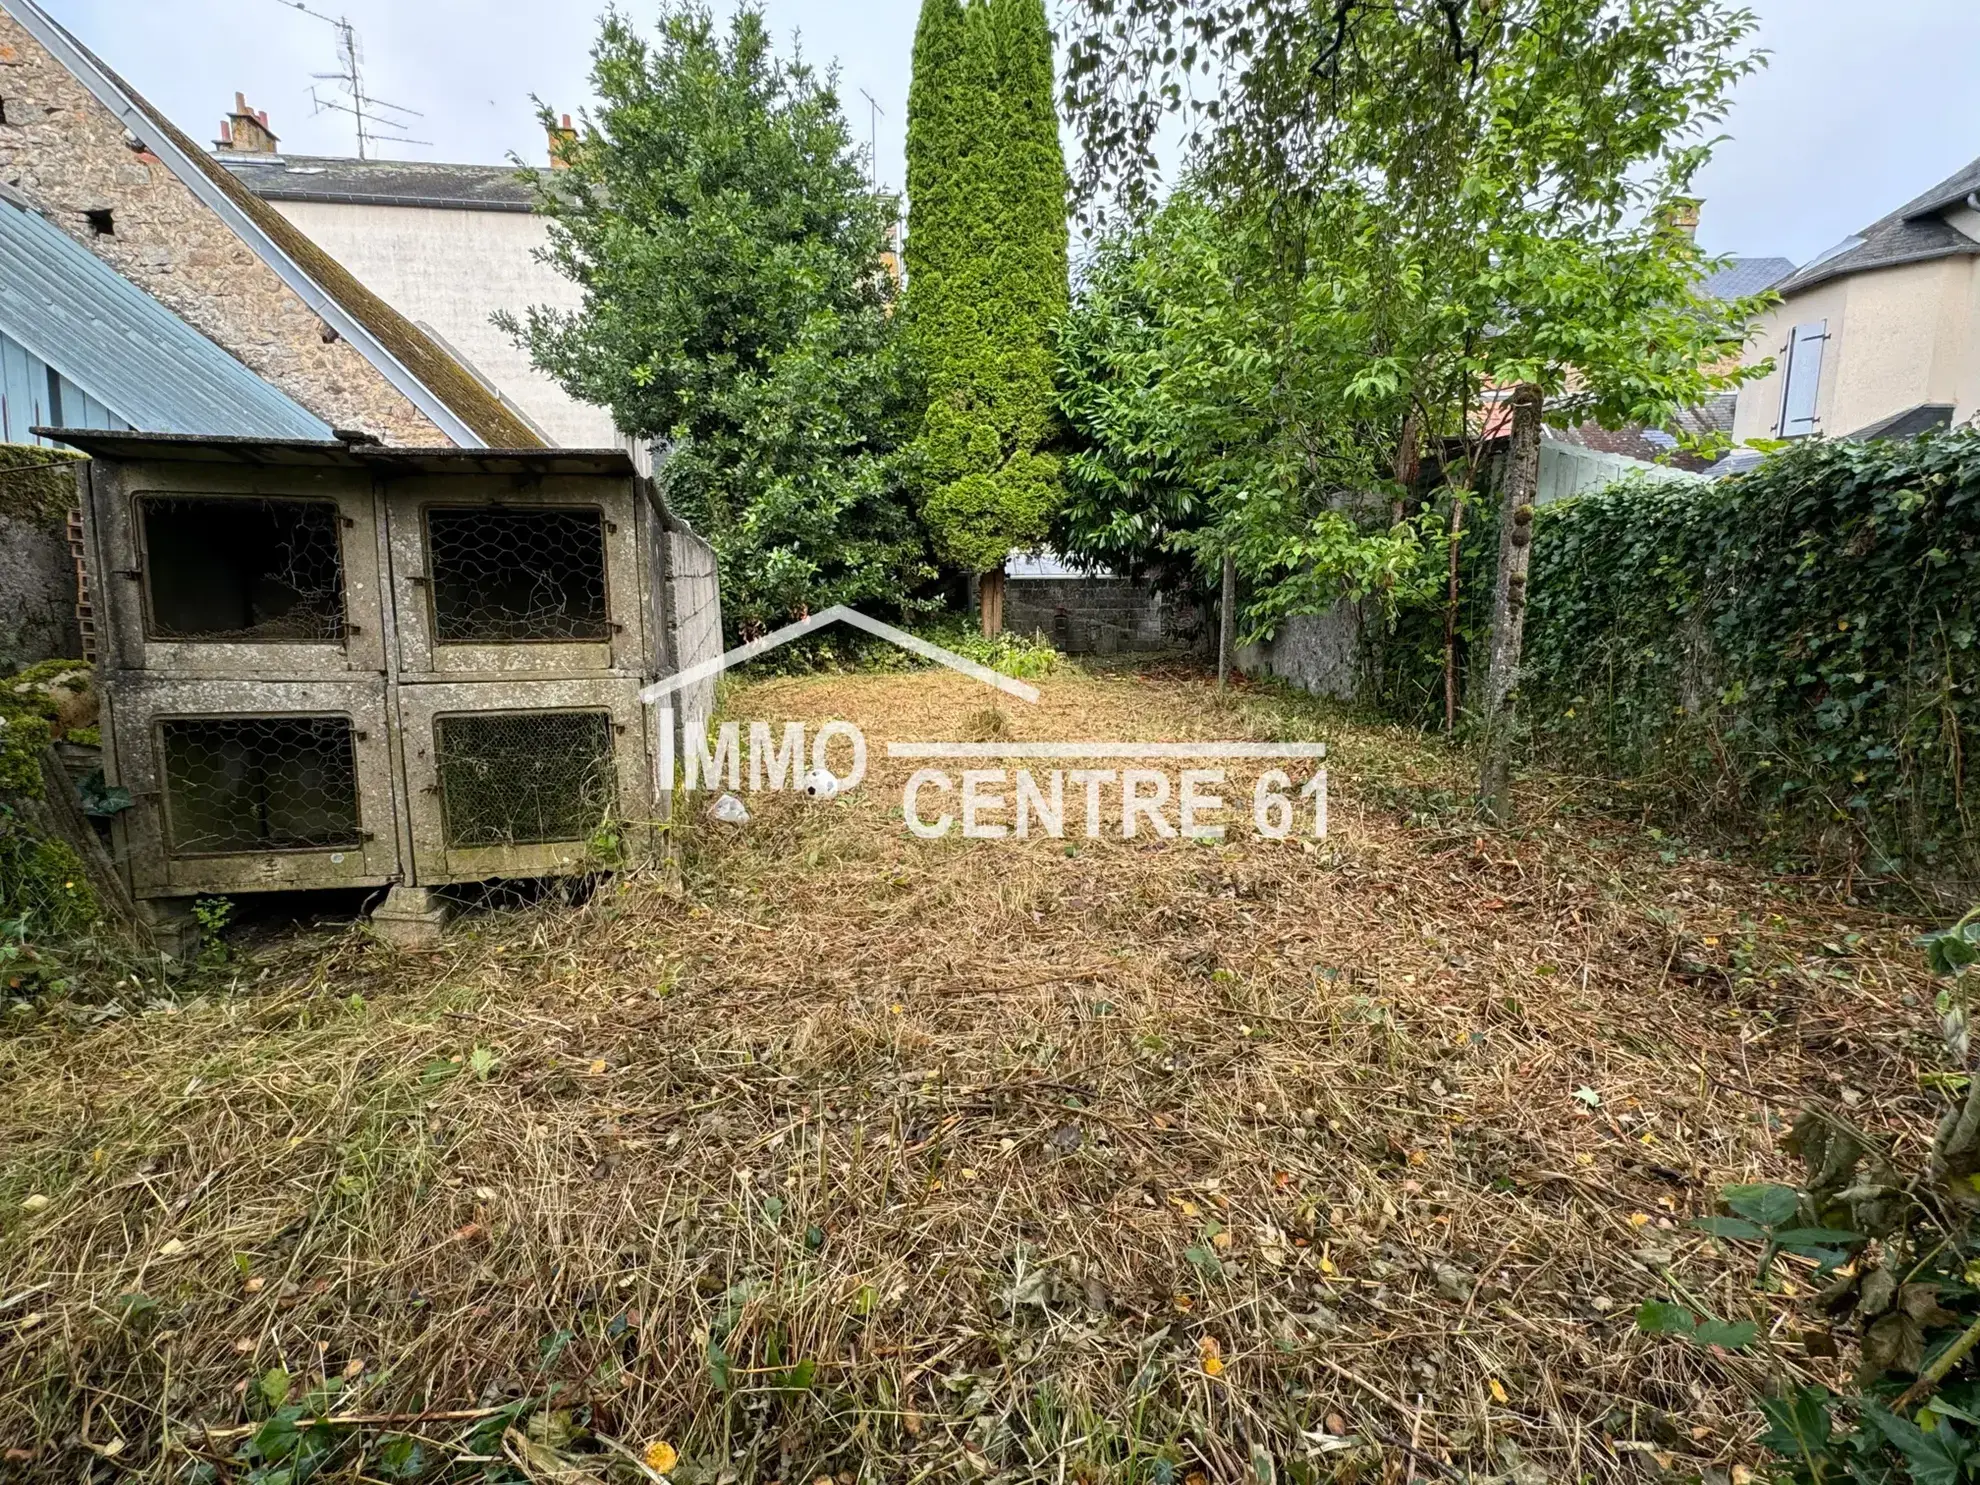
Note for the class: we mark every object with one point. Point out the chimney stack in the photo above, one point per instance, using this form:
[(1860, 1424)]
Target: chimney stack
[(246, 132), (1684, 217), (563, 138)]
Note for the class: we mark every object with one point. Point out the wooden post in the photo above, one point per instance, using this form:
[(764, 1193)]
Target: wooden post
[(1226, 622), (1452, 595), (990, 602), (1509, 606)]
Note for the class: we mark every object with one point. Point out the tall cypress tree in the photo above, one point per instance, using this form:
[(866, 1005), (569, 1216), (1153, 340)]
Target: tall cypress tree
[(986, 259)]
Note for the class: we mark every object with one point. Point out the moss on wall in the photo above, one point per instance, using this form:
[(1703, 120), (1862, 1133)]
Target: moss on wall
[(37, 485)]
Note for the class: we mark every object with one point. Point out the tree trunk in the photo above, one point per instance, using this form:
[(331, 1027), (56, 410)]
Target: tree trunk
[(1451, 612), (1226, 622), (990, 602), (1509, 606), (1408, 462)]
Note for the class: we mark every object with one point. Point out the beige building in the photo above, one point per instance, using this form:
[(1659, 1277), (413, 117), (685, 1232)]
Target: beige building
[(445, 245), (1880, 336), (96, 161)]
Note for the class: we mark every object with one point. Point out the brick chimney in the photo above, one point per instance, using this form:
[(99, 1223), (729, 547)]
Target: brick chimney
[(562, 139), (1684, 217), (246, 132)]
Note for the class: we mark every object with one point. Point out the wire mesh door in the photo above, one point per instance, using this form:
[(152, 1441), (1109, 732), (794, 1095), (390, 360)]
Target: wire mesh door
[(525, 778), (238, 572), (246, 785), (239, 784), (492, 581)]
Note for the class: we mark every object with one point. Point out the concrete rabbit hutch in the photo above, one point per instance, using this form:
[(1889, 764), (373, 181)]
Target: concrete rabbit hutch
[(341, 664)]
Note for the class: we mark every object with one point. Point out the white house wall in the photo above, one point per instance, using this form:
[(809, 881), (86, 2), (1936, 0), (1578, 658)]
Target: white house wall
[(452, 270)]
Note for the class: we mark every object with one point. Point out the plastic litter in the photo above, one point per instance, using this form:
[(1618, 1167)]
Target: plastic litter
[(729, 810)]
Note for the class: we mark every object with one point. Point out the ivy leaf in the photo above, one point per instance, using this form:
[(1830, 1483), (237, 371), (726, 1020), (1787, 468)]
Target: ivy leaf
[(1729, 1227), (1798, 1426), (1769, 1205), (1660, 1317), (1735, 1335), (1935, 1458)]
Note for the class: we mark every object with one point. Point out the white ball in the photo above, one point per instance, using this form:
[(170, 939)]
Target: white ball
[(821, 783)]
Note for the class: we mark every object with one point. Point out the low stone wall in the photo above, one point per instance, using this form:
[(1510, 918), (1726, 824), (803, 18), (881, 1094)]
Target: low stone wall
[(1096, 615), (694, 621), (1320, 653)]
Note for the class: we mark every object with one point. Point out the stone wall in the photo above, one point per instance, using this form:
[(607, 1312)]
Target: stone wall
[(37, 573), (70, 156), (1095, 615), (694, 625), (1320, 653)]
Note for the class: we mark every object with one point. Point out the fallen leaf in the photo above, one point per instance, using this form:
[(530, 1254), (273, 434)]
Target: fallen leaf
[(1213, 1360), (1498, 1389), (254, 1285), (172, 1249), (353, 1368), (467, 1231), (661, 1456), (34, 1203), (1221, 1240), (1336, 1424), (1639, 1219), (244, 1345), (1184, 1303)]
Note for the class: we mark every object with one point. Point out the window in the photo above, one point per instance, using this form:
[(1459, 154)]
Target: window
[(1803, 380)]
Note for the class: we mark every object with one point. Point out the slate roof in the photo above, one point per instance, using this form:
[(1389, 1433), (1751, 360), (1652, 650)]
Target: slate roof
[(433, 380), (1913, 422), (1914, 233), (381, 182), (1655, 445), (75, 313), (1746, 276)]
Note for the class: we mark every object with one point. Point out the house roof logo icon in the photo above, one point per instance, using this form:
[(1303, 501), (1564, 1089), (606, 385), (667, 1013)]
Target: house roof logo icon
[(838, 613)]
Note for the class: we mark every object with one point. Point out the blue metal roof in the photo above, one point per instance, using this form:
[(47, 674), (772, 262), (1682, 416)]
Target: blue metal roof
[(124, 349)]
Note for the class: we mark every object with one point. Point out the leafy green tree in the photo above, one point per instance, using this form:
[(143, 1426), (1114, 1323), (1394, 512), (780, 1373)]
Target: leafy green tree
[(715, 213), (1220, 410), (986, 261), (1464, 196)]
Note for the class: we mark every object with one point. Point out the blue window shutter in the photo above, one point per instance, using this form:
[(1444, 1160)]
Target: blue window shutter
[(1804, 379)]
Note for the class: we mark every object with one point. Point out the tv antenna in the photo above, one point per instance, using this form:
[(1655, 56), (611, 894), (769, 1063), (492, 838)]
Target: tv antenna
[(373, 128), (874, 110)]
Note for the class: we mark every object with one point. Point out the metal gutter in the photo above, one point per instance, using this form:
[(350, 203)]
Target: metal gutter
[(90, 73)]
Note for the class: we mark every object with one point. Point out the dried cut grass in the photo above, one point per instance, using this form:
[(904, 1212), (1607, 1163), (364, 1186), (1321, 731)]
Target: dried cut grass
[(917, 1160)]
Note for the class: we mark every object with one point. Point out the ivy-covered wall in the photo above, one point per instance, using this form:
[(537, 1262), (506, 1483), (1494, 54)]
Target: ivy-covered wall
[(1797, 644)]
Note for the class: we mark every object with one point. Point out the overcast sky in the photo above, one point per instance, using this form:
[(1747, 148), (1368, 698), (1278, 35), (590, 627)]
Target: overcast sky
[(1863, 106)]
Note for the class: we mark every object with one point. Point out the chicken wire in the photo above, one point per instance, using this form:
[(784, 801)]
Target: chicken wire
[(524, 778), (243, 570), (235, 784), (508, 575)]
